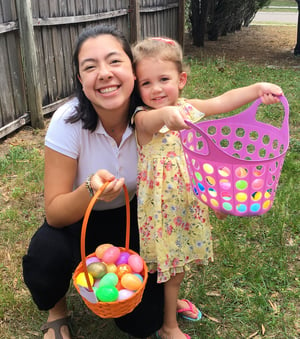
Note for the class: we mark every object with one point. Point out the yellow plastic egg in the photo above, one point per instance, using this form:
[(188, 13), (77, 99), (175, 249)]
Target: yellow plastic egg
[(111, 268), (81, 280)]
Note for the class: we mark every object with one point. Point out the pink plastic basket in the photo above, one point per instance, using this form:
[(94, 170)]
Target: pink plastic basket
[(235, 163)]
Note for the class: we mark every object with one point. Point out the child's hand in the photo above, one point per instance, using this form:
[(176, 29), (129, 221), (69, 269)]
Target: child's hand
[(174, 117), (269, 93)]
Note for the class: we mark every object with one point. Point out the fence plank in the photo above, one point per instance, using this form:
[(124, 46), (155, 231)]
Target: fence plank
[(53, 30), (135, 22), (30, 63)]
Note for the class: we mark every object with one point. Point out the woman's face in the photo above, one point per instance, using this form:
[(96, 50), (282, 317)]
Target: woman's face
[(106, 75)]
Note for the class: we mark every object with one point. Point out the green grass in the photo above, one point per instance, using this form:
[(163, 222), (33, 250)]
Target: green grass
[(285, 3), (250, 290), (281, 3)]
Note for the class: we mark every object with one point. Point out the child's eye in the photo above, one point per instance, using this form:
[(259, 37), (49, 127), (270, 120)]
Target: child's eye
[(164, 79), (145, 83)]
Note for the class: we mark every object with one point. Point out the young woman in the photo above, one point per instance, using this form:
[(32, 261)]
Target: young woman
[(89, 142)]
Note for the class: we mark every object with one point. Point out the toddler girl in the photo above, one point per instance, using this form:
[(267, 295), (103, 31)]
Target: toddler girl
[(173, 224)]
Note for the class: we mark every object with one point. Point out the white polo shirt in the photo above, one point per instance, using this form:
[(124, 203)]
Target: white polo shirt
[(93, 151)]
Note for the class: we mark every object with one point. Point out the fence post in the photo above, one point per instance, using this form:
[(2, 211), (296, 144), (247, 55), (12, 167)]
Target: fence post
[(181, 21), (135, 22), (30, 64)]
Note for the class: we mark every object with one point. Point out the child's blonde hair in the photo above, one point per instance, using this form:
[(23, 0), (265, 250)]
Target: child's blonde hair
[(159, 47)]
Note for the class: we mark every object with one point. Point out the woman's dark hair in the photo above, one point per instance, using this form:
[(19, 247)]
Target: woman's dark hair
[(85, 110)]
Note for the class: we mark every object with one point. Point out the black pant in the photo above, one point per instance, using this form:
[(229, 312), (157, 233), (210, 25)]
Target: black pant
[(54, 253)]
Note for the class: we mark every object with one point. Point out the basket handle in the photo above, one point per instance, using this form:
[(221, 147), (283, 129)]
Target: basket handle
[(85, 222), (250, 113), (211, 147)]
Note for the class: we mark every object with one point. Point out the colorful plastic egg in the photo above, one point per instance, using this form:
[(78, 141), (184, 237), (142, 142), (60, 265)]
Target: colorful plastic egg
[(241, 184), (91, 260), (97, 269), (81, 280), (136, 263), (111, 255), (107, 293), (119, 286), (96, 284), (123, 269), (139, 276), (110, 279), (123, 258), (224, 171), (125, 294), (130, 281), (241, 172), (257, 184), (225, 184), (111, 268), (101, 249), (208, 168)]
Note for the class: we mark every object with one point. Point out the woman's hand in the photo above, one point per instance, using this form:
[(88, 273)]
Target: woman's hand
[(112, 190)]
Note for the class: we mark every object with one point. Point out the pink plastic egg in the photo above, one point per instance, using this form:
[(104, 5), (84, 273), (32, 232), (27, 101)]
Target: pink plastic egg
[(101, 249), (130, 281), (136, 263), (257, 184), (111, 255), (125, 294)]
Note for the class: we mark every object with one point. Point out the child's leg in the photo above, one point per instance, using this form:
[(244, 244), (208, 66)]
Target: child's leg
[(170, 327)]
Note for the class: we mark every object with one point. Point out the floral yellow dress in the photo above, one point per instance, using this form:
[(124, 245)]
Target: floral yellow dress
[(173, 224)]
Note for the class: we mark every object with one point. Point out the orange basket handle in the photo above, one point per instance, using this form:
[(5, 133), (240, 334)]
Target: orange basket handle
[(85, 222)]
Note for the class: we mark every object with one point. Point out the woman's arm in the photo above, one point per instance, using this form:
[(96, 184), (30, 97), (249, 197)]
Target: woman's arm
[(238, 97), (63, 205)]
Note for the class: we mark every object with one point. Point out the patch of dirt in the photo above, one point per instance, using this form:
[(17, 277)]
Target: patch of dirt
[(268, 45)]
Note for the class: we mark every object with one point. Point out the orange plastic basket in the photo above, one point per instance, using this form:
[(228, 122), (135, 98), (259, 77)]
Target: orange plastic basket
[(114, 309)]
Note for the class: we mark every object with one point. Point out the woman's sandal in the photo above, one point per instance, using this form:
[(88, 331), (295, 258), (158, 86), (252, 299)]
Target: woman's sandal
[(189, 309), (56, 326)]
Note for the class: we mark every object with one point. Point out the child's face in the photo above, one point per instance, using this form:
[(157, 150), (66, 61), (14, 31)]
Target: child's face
[(159, 82)]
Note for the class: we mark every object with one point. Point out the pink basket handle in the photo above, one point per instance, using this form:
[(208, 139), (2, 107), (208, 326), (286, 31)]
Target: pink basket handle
[(212, 148), (250, 113), (248, 116)]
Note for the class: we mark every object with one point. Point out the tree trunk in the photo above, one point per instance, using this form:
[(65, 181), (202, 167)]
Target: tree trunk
[(297, 47), (195, 20), (203, 20)]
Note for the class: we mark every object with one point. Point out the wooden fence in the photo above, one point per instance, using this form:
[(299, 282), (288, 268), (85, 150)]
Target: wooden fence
[(37, 38)]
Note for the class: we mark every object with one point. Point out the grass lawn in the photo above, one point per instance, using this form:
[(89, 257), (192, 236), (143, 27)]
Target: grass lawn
[(251, 290)]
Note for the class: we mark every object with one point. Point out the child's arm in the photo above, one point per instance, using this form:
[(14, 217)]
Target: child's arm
[(149, 122), (238, 97)]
